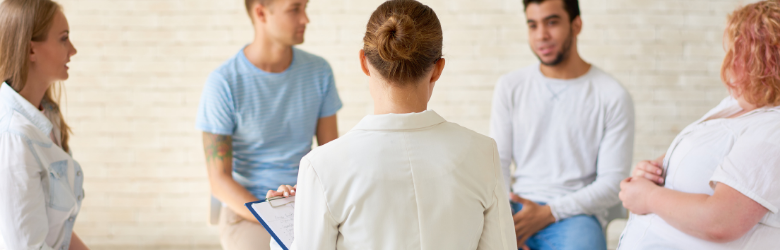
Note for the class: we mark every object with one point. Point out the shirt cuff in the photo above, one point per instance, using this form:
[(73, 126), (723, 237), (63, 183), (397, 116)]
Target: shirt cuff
[(331, 112), (212, 130), (564, 208), (555, 213)]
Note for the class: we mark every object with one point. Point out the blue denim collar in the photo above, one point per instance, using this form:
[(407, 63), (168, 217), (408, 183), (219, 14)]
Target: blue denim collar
[(13, 100)]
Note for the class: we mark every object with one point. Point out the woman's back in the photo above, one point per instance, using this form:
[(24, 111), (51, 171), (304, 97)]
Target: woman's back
[(404, 181)]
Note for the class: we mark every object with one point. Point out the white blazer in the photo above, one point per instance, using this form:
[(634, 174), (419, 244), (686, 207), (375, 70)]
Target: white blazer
[(403, 181), (40, 184)]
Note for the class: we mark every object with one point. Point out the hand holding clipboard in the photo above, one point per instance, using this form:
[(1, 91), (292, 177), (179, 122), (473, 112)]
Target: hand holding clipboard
[(276, 214)]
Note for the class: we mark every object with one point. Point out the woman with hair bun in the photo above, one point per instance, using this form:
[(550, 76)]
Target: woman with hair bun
[(717, 186), (404, 177), (40, 183)]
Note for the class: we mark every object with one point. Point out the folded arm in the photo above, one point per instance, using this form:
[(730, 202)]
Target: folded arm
[(744, 186), (725, 216)]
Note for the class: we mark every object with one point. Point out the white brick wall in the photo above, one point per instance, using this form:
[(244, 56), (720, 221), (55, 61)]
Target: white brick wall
[(136, 83)]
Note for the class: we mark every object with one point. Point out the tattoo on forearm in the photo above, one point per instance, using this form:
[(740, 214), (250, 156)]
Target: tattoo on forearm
[(218, 147)]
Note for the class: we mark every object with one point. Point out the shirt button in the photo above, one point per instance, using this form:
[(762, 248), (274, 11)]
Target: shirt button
[(70, 219), (78, 173), (80, 197)]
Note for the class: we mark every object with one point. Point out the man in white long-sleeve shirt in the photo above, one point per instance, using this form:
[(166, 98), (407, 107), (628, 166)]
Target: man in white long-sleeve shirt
[(569, 128)]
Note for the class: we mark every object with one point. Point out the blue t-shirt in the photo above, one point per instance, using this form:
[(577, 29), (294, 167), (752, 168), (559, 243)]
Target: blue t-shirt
[(272, 117)]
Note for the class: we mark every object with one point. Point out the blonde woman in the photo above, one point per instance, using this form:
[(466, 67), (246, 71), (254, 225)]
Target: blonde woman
[(719, 176), (40, 184)]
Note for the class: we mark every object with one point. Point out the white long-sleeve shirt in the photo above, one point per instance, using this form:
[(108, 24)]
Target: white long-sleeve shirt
[(403, 181), (571, 140), (40, 184)]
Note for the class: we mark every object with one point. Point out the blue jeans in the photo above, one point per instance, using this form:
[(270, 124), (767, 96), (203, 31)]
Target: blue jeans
[(581, 232)]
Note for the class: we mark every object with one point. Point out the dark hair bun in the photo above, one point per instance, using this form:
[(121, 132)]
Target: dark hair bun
[(396, 38), (403, 40)]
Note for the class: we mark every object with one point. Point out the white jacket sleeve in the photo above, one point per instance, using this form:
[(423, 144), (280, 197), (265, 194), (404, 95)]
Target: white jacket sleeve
[(23, 215), (315, 227), (498, 231), (612, 166), (501, 130)]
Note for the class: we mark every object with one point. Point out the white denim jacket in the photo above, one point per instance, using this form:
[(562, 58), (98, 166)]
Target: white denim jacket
[(40, 184)]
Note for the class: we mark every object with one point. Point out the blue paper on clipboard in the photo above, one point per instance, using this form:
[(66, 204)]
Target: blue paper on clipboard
[(276, 215)]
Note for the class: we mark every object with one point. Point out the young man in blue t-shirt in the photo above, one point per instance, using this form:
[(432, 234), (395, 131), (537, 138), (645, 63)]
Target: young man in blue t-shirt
[(259, 112)]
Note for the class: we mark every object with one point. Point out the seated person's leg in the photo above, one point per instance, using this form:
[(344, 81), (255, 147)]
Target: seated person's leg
[(582, 232), (237, 233)]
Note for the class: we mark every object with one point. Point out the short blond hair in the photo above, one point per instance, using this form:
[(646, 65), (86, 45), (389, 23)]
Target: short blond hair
[(250, 3)]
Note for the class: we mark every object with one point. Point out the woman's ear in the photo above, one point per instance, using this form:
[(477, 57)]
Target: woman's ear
[(364, 63), (32, 56), (438, 68)]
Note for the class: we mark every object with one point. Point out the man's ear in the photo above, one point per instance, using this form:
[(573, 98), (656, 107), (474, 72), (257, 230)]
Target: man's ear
[(259, 13), (364, 63), (576, 25), (438, 68)]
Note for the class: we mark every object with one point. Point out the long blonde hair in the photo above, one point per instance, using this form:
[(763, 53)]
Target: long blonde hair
[(21, 22)]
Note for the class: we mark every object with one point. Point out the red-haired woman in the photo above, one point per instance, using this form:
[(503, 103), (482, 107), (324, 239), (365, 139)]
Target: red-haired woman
[(40, 184), (720, 175)]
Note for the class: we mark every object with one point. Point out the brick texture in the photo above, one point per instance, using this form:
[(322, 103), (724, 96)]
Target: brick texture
[(136, 83)]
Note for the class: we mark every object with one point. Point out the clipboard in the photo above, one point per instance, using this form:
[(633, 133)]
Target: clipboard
[(276, 216)]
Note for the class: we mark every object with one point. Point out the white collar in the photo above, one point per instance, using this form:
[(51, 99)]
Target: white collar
[(406, 121), (12, 99)]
